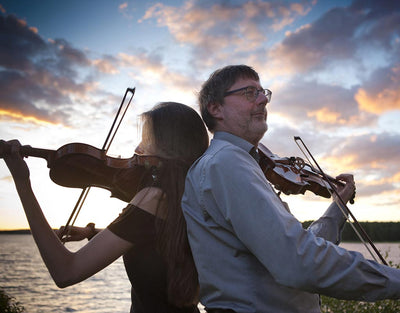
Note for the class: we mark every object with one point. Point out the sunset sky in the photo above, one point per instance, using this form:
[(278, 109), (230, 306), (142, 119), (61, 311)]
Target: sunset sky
[(333, 68)]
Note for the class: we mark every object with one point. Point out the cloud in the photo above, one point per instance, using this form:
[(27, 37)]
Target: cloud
[(342, 35), (7, 178), (149, 67), (107, 64), (382, 92), (374, 159), (123, 8), (316, 43), (221, 30), (325, 106), (373, 151), (39, 80)]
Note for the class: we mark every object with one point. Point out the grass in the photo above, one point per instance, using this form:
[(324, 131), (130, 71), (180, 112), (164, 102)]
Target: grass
[(331, 305), (9, 305)]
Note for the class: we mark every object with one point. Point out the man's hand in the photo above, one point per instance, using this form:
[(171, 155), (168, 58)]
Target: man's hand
[(348, 190)]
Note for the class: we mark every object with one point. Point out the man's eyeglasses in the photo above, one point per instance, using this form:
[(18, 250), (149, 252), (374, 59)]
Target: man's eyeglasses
[(251, 93)]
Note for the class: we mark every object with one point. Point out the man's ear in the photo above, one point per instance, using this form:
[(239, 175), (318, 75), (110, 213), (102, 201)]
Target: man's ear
[(215, 109)]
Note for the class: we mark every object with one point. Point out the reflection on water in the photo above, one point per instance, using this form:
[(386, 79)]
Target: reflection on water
[(390, 251), (24, 276)]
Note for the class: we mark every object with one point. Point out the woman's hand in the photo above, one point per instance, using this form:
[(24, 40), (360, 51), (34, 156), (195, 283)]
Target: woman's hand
[(75, 233), (15, 162), (346, 192)]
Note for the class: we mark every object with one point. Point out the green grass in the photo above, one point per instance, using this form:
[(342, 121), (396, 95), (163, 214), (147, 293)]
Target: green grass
[(331, 305)]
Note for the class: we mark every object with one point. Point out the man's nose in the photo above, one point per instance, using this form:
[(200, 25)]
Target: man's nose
[(261, 99)]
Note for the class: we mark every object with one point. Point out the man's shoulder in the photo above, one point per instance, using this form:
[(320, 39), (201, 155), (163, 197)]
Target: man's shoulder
[(221, 155), (223, 148)]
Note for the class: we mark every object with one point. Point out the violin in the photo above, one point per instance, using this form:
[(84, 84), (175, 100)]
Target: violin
[(80, 165), (292, 175)]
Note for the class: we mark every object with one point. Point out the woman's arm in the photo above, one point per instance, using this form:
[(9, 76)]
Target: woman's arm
[(65, 267)]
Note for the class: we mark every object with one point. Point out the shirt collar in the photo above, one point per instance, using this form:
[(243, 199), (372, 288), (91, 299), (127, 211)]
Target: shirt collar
[(233, 139)]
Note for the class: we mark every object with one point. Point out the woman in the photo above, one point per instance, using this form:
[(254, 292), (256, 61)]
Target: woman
[(150, 233)]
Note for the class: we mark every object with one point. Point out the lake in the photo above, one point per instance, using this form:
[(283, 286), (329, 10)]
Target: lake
[(24, 276)]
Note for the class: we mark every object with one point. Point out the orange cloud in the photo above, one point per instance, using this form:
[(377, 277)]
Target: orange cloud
[(34, 30), (7, 178), (344, 164), (24, 118), (105, 66), (396, 178), (325, 115), (386, 100), (123, 6)]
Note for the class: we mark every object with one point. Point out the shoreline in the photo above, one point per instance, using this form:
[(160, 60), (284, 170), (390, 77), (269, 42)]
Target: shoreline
[(15, 232)]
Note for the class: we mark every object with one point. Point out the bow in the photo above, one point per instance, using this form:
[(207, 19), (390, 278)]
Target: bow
[(106, 146), (358, 229)]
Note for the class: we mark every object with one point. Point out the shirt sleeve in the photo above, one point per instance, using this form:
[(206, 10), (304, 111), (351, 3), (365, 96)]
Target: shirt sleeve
[(330, 225), (240, 199), (134, 225)]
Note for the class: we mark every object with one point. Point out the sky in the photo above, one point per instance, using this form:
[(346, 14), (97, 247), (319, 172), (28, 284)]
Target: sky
[(333, 68)]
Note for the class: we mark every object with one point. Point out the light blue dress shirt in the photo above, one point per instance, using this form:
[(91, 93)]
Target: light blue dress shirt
[(252, 255)]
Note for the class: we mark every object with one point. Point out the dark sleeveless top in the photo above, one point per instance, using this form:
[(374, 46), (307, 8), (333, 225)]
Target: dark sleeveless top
[(143, 263)]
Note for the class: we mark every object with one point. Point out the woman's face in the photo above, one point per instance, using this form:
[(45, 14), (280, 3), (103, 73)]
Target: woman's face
[(147, 146)]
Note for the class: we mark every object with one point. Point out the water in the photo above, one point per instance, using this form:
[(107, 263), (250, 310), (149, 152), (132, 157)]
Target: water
[(390, 251), (24, 276)]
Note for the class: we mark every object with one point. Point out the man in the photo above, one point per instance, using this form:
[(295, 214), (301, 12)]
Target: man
[(251, 254)]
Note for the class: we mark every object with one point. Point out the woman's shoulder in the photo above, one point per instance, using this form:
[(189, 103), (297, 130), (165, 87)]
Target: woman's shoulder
[(150, 199)]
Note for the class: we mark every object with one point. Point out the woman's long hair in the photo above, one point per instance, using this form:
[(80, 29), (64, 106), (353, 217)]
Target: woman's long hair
[(180, 137)]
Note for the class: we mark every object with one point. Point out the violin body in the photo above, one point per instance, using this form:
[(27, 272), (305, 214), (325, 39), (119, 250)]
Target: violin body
[(78, 165), (291, 175)]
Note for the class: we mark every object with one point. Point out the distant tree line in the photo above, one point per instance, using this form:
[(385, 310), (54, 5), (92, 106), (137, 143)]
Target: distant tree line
[(377, 231)]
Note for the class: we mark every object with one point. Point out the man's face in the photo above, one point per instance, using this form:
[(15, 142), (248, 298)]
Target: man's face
[(241, 117)]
